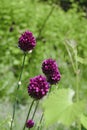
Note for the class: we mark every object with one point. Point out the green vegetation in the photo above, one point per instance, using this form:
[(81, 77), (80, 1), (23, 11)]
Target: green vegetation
[(61, 28)]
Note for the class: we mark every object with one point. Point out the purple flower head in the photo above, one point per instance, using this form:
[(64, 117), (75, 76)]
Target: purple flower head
[(29, 123), (50, 69), (38, 87), (27, 41), (49, 66), (54, 78)]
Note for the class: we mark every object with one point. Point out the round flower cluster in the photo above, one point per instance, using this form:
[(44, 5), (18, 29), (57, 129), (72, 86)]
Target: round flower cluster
[(38, 87), (49, 66), (29, 123), (27, 41), (50, 69)]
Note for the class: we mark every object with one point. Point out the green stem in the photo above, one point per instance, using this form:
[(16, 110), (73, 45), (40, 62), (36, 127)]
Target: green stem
[(34, 111), (77, 86), (69, 53), (45, 21), (76, 71), (40, 122), (15, 103), (21, 69), (28, 114), (77, 96), (42, 113), (77, 78)]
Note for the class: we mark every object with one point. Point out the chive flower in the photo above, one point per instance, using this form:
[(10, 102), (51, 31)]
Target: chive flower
[(50, 69), (49, 66), (27, 41), (54, 78), (38, 87), (29, 123)]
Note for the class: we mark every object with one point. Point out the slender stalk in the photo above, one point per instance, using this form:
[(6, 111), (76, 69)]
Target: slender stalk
[(34, 111), (28, 114), (38, 128), (21, 70), (77, 96), (76, 71), (77, 86), (69, 53), (18, 84), (43, 113), (45, 21), (77, 78)]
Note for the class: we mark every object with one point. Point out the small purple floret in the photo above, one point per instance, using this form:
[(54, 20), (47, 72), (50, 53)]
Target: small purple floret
[(49, 66), (29, 123), (50, 69), (38, 87), (27, 41), (54, 79)]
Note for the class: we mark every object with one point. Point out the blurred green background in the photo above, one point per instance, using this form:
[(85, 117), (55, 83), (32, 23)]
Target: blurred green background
[(53, 22)]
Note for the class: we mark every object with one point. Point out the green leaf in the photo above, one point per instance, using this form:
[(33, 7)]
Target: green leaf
[(84, 120), (59, 107)]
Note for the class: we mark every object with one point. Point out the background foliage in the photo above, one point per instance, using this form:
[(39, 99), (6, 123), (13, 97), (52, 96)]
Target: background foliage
[(61, 26)]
